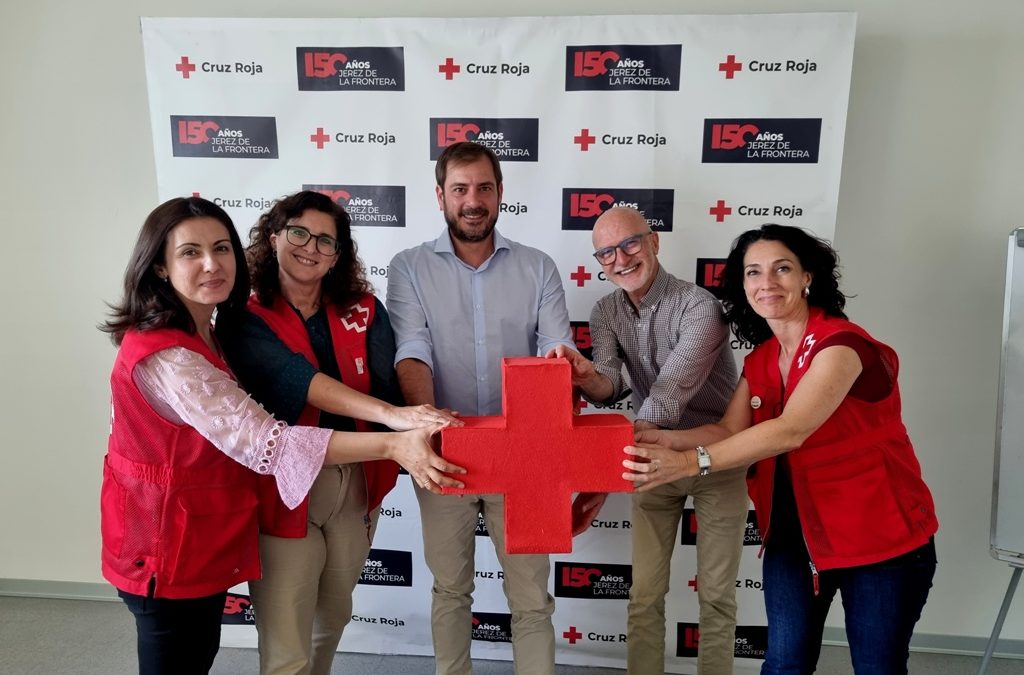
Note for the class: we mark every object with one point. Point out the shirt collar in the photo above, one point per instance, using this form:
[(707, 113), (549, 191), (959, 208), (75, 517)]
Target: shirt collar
[(654, 294), (443, 244)]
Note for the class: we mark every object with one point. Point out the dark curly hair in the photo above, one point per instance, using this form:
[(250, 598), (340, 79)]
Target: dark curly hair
[(150, 302), (816, 256), (341, 285)]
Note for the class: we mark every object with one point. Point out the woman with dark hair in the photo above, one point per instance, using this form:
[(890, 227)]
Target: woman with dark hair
[(840, 501), (316, 348), (178, 501)]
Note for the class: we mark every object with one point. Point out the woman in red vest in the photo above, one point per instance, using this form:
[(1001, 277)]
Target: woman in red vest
[(840, 501), (178, 500), (316, 348)]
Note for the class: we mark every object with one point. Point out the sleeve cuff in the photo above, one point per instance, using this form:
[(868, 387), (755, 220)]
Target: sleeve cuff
[(302, 456), (665, 416), (417, 349)]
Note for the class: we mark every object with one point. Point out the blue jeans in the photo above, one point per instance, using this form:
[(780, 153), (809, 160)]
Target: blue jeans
[(881, 603), (176, 637)]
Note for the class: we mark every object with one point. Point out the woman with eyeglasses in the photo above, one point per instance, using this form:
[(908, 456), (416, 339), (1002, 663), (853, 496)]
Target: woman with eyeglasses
[(317, 348), (178, 500), (840, 501)]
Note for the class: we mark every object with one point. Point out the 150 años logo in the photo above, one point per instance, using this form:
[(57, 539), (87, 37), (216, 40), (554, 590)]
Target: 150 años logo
[(582, 206), (492, 627), (688, 536), (594, 581), (368, 205), (350, 68), (237, 610), (224, 137), (762, 141), (751, 641), (622, 67), (511, 139), (384, 567)]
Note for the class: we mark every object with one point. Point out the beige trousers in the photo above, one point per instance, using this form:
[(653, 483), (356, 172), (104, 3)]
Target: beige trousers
[(720, 502), (449, 544), (304, 600)]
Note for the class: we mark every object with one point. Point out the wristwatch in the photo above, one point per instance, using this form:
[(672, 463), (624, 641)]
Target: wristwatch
[(703, 460)]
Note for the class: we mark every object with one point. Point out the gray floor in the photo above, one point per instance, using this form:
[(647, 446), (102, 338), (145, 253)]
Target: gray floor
[(81, 637)]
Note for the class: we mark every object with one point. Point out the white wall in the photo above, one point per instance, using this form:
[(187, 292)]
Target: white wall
[(933, 172)]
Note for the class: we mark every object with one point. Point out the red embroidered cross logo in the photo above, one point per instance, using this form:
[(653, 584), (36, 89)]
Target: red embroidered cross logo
[(357, 318)]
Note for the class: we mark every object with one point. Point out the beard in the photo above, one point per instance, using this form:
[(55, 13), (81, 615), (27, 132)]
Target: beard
[(461, 234)]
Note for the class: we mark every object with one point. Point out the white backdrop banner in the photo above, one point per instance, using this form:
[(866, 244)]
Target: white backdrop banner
[(710, 125)]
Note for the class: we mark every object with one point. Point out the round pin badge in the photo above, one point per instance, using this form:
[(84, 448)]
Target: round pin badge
[(755, 402)]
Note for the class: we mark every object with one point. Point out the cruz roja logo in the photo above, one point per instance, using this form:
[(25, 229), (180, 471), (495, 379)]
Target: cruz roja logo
[(731, 66), (390, 621), (186, 68), (573, 635), (449, 68), (721, 210)]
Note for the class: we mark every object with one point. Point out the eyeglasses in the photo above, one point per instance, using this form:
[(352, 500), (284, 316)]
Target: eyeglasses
[(629, 246), (298, 236)]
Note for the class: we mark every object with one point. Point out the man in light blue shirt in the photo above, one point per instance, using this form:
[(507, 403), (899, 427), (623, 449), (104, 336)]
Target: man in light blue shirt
[(459, 304)]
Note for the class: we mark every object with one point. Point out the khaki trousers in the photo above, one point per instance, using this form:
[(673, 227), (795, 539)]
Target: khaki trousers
[(720, 502), (304, 600), (449, 545)]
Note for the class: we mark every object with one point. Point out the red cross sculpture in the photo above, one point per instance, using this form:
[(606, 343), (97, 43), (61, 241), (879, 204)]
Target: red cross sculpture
[(538, 453)]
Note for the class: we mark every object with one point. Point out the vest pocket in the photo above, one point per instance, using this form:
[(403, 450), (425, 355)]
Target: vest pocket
[(853, 506), (216, 535), (113, 498)]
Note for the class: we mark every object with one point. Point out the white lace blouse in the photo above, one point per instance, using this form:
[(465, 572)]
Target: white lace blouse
[(185, 388)]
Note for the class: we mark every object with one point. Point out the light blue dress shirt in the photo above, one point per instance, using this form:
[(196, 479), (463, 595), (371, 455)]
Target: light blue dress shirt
[(461, 321)]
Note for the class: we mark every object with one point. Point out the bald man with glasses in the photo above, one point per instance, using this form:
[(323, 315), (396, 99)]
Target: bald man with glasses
[(674, 343)]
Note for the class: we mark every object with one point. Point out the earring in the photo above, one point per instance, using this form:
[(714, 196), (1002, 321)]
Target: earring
[(807, 290)]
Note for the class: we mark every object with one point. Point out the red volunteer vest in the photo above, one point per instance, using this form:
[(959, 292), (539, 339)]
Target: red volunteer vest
[(856, 480), (348, 337), (175, 512)]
